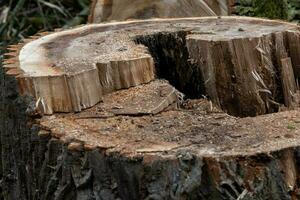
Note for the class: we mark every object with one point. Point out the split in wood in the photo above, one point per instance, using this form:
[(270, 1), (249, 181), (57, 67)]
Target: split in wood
[(240, 71)]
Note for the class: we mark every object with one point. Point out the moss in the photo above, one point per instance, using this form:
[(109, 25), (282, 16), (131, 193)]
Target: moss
[(273, 9), (291, 126)]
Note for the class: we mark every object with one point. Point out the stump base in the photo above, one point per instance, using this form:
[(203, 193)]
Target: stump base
[(193, 152), (137, 144)]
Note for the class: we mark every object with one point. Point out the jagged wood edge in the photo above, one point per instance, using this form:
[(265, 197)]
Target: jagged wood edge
[(73, 100), (12, 64)]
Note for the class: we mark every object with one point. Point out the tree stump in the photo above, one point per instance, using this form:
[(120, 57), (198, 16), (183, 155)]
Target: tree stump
[(120, 10), (86, 115)]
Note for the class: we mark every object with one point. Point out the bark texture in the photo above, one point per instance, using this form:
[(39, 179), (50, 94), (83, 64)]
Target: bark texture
[(40, 167), (136, 143)]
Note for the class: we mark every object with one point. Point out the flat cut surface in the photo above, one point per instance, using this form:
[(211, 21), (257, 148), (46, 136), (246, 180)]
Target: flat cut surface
[(197, 127), (76, 50), (151, 98), (72, 70), (144, 99)]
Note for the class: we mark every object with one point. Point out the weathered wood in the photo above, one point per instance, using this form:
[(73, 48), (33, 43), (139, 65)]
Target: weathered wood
[(225, 60), (291, 98), (66, 83), (120, 10), (146, 99), (212, 163), (293, 40), (135, 144), (227, 65)]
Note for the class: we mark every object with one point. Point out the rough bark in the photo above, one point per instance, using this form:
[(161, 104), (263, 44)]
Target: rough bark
[(136, 143), (120, 10)]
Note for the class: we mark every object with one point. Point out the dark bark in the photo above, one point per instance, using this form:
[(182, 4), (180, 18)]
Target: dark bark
[(39, 164), (41, 167)]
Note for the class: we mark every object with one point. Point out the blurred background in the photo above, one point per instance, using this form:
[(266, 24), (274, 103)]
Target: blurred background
[(273, 9), (22, 18)]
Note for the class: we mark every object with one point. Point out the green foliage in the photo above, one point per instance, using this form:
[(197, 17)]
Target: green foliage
[(245, 7), (294, 10), (22, 18), (291, 126), (273, 9)]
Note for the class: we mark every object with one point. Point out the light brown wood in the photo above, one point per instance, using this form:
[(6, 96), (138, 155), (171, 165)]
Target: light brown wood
[(146, 99), (119, 10), (235, 59), (227, 65), (134, 134), (67, 84), (288, 79), (293, 39), (291, 98)]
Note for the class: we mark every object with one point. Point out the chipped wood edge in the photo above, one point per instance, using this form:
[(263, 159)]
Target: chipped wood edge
[(72, 93), (33, 85)]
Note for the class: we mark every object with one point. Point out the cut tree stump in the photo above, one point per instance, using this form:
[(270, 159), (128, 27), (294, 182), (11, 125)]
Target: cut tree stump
[(235, 61), (85, 113), (120, 10)]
